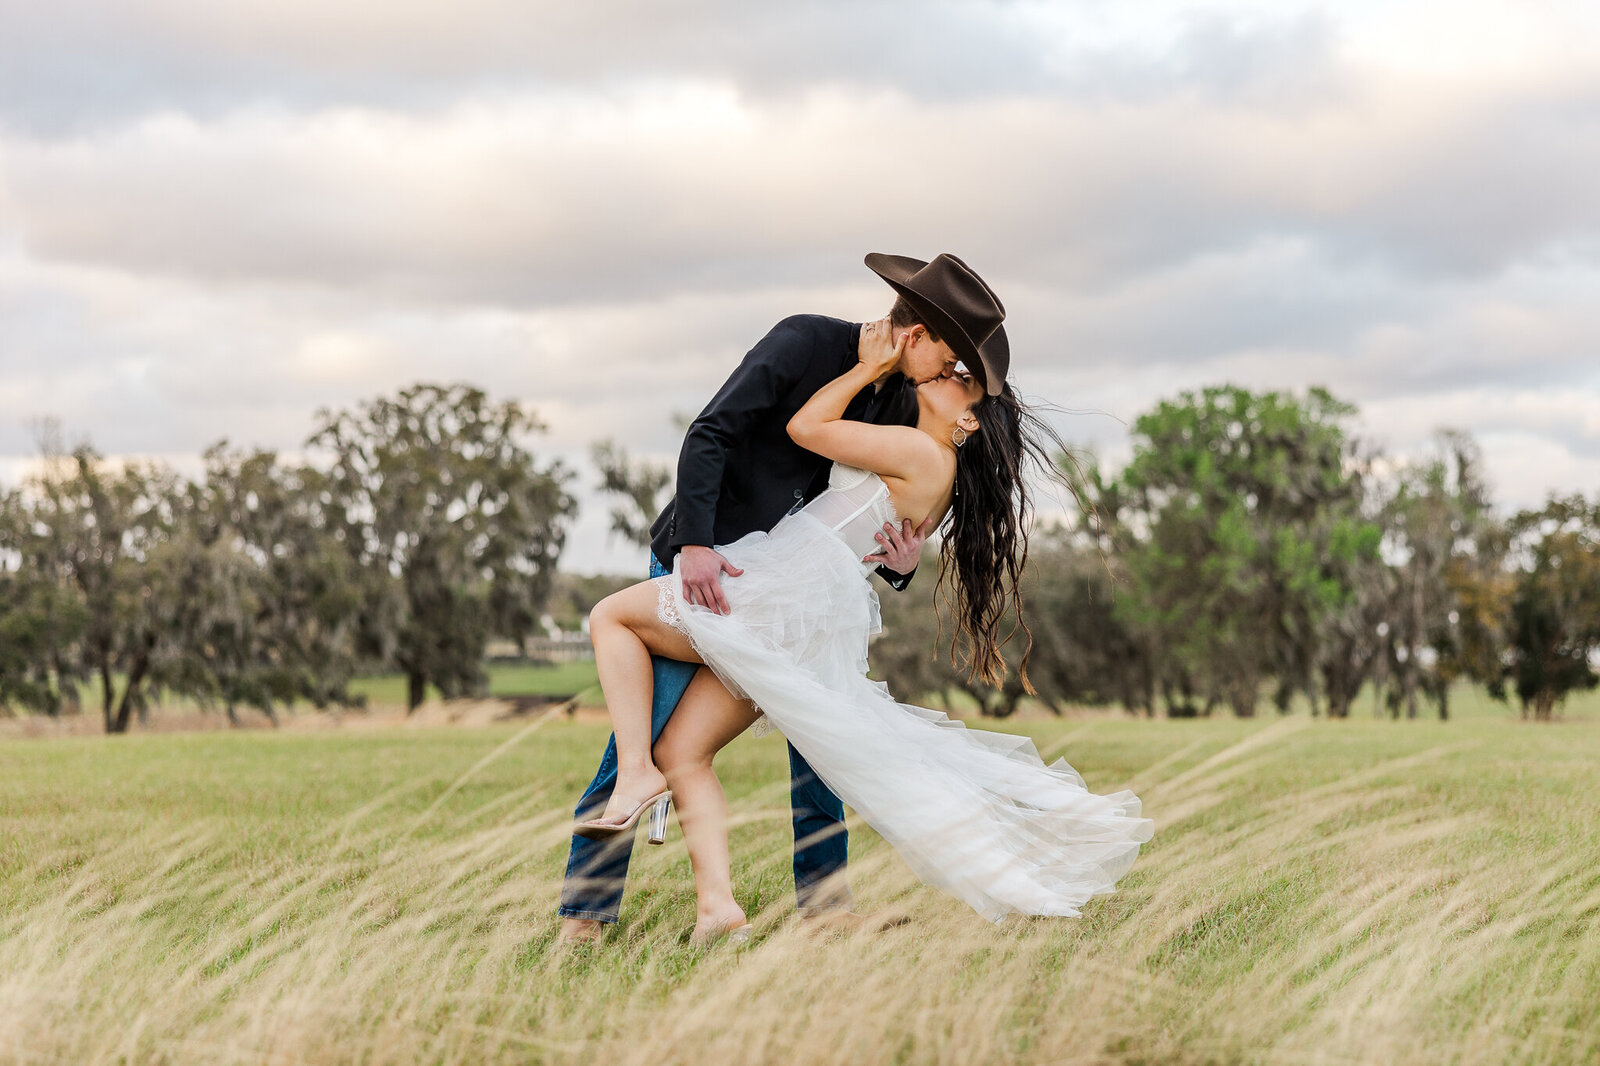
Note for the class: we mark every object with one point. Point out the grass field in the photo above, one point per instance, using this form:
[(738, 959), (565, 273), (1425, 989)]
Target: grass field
[(1359, 892), (508, 679)]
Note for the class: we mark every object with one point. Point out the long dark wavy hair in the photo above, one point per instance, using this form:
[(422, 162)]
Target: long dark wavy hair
[(986, 544)]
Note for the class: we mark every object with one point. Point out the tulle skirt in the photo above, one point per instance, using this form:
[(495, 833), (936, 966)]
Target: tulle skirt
[(976, 813)]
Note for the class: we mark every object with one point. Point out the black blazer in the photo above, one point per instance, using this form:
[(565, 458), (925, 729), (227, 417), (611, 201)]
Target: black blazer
[(738, 471)]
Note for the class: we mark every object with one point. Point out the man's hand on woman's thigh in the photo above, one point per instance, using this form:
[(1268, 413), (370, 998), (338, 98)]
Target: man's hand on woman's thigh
[(701, 569)]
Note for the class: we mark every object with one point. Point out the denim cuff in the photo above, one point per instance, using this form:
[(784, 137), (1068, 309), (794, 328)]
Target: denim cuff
[(593, 916), (828, 896), (836, 905)]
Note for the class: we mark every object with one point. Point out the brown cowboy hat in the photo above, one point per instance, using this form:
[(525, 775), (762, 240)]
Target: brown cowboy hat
[(955, 304)]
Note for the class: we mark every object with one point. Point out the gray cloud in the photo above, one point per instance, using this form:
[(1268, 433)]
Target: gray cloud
[(84, 64), (534, 201)]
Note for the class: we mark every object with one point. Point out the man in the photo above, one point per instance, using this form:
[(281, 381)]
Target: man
[(739, 472)]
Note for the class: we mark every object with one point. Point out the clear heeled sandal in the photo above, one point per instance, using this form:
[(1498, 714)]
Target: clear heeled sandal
[(658, 805)]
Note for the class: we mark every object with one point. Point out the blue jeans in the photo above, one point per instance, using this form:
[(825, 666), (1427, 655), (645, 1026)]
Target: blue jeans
[(598, 868)]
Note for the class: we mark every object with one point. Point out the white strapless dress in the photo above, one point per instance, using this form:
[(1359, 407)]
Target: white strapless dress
[(974, 812)]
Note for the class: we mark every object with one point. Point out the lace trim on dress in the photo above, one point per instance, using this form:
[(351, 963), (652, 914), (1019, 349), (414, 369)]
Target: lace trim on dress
[(667, 611)]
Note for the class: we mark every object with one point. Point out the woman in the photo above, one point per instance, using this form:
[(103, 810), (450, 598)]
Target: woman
[(973, 812)]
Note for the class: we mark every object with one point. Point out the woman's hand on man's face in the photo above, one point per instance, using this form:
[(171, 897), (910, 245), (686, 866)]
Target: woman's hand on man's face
[(881, 349)]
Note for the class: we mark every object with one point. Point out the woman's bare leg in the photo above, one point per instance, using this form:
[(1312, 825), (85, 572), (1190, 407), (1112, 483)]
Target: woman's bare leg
[(707, 718), (626, 632)]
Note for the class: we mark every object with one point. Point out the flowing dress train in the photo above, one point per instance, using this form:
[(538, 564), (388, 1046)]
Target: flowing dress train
[(976, 813)]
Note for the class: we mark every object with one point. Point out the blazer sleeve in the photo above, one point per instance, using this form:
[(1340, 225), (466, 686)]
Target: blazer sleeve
[(769, 372), (896, 580)]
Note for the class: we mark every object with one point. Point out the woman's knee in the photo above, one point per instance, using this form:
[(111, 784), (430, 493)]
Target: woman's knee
[(610, 611), (675, 754), (632, 608)]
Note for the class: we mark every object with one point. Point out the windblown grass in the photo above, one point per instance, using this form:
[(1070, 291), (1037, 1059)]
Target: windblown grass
[(1316, 893)]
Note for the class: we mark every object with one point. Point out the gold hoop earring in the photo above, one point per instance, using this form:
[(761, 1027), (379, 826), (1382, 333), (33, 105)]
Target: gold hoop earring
[(963, 440)]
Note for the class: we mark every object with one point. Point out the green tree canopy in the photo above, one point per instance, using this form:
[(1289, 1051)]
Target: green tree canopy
[(455, 528), (84, 531), (1555, 610), (270, 599), (1242, 521)]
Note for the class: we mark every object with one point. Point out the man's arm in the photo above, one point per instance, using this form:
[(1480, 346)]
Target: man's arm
[(890, 451), (769, 371)]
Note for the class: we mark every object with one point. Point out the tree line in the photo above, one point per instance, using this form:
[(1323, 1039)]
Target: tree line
[(426, 527), (1253, 550)]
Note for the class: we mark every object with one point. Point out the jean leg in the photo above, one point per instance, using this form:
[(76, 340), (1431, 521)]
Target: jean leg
[(821, 845), (598, 868)]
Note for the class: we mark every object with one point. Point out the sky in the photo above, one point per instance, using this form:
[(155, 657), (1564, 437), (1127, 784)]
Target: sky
[(216, 219)]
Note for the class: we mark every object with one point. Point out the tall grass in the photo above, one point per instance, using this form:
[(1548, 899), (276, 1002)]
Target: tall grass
[(1316, 893)]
